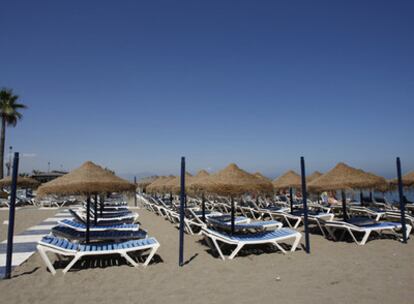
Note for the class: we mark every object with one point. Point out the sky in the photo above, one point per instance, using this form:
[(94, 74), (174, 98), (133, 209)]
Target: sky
[(135, 85)]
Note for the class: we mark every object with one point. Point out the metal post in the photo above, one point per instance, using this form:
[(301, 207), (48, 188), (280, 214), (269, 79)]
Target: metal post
[(402, 201), (305, 204), (135, 191), (203, 208), (182, 202), (102, 203), (95, 210), (291, 199), (88, 217), (345, 215), (12, 210), (232, 215)]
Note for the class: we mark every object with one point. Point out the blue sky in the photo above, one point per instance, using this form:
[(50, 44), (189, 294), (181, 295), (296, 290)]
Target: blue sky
[(133, 85)]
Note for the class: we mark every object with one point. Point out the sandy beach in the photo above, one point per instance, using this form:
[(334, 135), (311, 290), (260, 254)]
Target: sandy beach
[(379, 272)]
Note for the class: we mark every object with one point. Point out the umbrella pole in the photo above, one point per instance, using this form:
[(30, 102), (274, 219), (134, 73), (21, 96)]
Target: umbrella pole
[(101, 205), (203, 208), (361, 198), (319, 197), (10, 232), (305, 204), (345, 216), (291, 200), (135, 192), (232, 214), (402, 201), (88, 217), (95, 210), (182, 202)]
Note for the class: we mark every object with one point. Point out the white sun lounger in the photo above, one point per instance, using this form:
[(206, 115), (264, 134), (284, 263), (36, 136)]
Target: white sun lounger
[(62, 247), (82, 227), (269, 237), (332, 226)]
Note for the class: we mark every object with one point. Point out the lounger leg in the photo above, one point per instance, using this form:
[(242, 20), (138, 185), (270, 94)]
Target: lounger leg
[(296, 243), (151, 255), (279, 247), (321, 228), (408, 230), (288, 222), (331, 232), (45, 259), (70, 265), (365, 238), (128, 258), (218, 248), (236, 251), (297, 223)]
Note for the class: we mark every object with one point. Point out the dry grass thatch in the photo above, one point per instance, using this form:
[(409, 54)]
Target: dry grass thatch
[(85, 180), (288, 180), (231, 181), (174, 185), (22, 181), (407, 180), (146, 181), (159, 183), (260, 175), (344, 177), (313, 176)]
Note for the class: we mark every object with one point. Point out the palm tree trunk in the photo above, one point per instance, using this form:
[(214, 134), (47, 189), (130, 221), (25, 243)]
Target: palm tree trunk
[(2, 141)]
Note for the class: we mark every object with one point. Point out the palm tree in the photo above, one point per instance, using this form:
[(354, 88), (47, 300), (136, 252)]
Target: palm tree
[(10, 115)]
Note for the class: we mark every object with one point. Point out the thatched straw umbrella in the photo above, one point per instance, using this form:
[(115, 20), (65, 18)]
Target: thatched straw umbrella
[(260, 175), (288, 180), (89, 179), (174, 185), (344, 177), (146, 181), (22, 181), (158, 184), (233, 181), (313, 176), (407, 180)]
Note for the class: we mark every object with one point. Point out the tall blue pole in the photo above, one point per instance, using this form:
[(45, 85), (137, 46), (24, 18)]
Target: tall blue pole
[(402, 201), (88, 217), (182, 203), (203, 208), (305, 204), (12, 211), (135, 191)]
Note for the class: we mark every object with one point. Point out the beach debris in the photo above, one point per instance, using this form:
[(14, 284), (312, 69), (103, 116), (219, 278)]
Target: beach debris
[(278, 278), (5, 222)]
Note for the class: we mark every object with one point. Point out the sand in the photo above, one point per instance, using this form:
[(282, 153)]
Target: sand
[(379, 272)]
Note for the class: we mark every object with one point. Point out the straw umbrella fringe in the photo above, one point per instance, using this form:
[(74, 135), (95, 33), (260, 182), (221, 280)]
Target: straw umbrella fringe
[(22, 181), (407, 180), (158, 184), (313, 176), (344, 177), (231, 181), (288, 180), (86, 180)]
